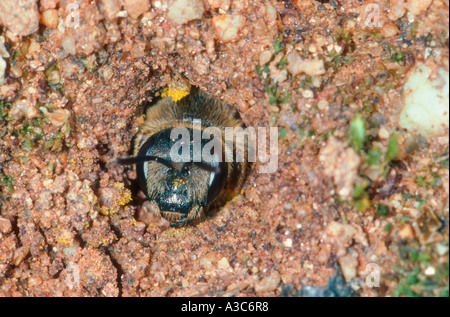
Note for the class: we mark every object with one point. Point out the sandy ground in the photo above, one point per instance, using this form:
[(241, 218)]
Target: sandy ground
[(352, 187)]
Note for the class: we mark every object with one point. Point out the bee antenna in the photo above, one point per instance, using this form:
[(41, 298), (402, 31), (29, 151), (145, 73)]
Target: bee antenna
[(145, 158)]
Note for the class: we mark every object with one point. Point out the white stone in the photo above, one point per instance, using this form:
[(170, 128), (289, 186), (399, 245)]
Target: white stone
[(183, 11), (425, 100)]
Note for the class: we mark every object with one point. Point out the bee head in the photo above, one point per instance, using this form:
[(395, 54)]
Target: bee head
[(180, 189)]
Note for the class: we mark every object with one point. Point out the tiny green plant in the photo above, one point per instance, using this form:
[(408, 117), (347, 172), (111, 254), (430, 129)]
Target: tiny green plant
[(6, 181), (358, 132), (278, 46)]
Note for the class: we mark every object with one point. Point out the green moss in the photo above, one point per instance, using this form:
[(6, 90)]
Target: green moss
[(6, 181), (358, 132), (395, 55), (392, 149), (342, 36), (89, 64), (337, 60), (411, 271), (4, 108), (362, 204), (29, 133), (374, 156), (283, 63), (383, 210), (360, 197), (50, 167), (282, 133), (258, 70), (359, 191), (398, 57), (278, 46), (311, 133), (388, 227), (24, 159), (56, 143), (420, 181), (275, 97), (59, 87)]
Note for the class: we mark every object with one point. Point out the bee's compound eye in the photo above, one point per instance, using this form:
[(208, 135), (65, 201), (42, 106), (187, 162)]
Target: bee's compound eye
[(217, 181)]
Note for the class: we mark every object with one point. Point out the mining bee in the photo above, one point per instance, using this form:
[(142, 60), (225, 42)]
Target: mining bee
[(183, 191)]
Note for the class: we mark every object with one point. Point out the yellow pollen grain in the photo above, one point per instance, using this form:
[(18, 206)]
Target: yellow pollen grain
[(175, 91)]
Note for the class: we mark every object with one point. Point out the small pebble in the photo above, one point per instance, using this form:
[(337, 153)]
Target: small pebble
[(288, 243), (307, 93), (396, 10), (348, 265), (223, 264), (269, 283), (228, 26), (15, 71), (323, 104), (265, 57), (389, 30), (59, 117), (136, 7), (417, 7), (430, 271), (2, 71), (297, 65), (5, 225), (183, 11), (222, 4), (110, 8), (21, 17), (50, 18), (383, 133)]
